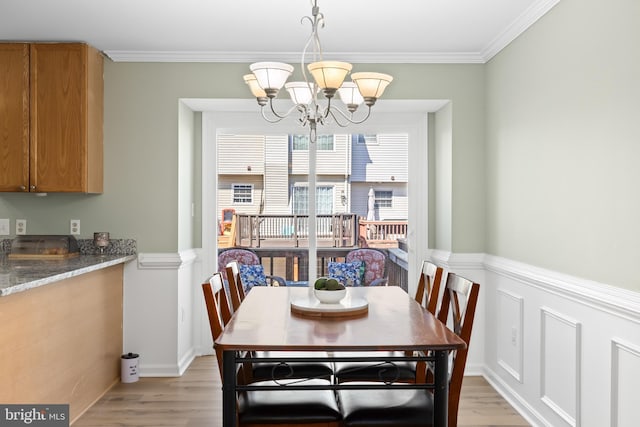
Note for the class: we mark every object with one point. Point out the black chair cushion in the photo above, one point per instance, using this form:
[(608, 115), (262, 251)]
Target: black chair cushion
[(272, 370), (375, 370), (386, 407), (288, 406)]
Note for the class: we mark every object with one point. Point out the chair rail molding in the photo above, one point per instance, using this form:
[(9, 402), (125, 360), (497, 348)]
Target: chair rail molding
[(167, 260), (613, 300)]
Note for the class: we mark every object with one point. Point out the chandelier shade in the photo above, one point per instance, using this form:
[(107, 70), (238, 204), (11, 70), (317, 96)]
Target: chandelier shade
[(329, 74), (254, 87), (371, 85), (271, 75), (301, 92), (350, 95)]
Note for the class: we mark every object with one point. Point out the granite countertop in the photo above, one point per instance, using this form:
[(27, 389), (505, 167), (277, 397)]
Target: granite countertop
[(21, 275)]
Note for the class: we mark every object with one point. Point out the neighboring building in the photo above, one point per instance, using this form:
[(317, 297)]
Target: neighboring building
[(260, 174)]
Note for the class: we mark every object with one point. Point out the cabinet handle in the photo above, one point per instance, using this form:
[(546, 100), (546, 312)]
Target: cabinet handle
[(22, 187), (33, 187)]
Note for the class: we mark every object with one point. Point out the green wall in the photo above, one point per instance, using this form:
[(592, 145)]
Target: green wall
[(144, 141), (563, 143)]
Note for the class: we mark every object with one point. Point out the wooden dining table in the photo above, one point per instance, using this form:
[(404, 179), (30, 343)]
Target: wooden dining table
[(392, 321)]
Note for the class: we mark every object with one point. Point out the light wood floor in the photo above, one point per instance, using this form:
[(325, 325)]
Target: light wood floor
[(195, 400)]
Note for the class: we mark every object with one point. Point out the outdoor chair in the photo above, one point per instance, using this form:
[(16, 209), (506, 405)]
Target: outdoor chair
[(374, 265), (250, 268)]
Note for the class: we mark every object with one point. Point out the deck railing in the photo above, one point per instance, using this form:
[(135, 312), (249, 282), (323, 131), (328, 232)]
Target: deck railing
[(382, 233), (255, 231)]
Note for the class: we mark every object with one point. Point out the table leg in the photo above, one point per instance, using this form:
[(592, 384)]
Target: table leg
[(441, 391), (229, 379)]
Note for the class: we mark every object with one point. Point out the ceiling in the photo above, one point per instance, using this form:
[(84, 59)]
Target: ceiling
[(402, 31)]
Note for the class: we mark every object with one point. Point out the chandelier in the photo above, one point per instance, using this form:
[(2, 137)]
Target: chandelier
[(267, 78)]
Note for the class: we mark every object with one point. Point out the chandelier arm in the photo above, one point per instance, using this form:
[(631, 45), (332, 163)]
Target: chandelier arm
[(348, 117), (268, 119), (279, 115)]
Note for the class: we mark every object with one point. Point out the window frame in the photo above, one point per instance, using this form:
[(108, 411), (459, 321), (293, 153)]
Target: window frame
[(321, 142), (234, 187), (332, 190), (378, 198)]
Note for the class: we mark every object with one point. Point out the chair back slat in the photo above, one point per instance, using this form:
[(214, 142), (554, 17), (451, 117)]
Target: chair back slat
[(236, 289), (429, 286)]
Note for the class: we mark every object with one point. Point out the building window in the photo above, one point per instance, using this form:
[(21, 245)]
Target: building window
[(242, 194), (324, 200), (384, 199), (301, 142), (365, 139)]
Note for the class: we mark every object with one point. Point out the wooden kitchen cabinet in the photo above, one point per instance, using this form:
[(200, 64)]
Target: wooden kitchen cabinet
[(14, 116), (55, 145)]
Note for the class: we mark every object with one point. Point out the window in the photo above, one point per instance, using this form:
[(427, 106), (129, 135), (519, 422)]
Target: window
[(324, 200), (365, 139), (384, 199), (242, 194), (301, 142)]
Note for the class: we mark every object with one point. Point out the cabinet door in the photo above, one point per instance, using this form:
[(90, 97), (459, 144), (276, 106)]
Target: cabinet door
[(58, 117), (14, 117)]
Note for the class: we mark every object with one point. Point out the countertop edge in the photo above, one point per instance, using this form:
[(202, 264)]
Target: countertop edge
[(66, 275)]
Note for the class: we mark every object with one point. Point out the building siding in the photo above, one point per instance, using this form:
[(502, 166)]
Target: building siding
[(241, 154), (386, 161), (276, 179)]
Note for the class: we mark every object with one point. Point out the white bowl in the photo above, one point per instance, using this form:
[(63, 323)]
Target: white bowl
[(330, 297)]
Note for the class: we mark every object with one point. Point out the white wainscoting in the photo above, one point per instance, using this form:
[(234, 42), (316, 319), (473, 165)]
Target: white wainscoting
[(580, 346), (160, 293), (560, 365), (625, 404), (509, 334)]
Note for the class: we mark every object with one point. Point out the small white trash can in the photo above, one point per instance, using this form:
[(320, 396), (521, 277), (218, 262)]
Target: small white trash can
[(129, 368)]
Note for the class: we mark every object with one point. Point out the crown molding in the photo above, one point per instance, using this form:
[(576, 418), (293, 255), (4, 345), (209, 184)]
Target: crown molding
[(536, 11), (294, 57)]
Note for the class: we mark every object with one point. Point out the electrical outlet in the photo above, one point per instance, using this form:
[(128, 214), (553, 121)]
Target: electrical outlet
[(74, 227), (4, 227), (21, 226)]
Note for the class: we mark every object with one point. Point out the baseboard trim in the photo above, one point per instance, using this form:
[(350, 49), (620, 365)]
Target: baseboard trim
[(527, 412)]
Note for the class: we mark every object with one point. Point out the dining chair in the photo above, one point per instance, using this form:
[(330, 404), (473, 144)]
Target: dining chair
[(414, 408), (281, 408), (274, 370), (410, 372), (429, 286)]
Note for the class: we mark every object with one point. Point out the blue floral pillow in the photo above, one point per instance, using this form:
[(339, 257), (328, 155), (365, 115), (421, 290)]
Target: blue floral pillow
[(347, 273), (252, 275)]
